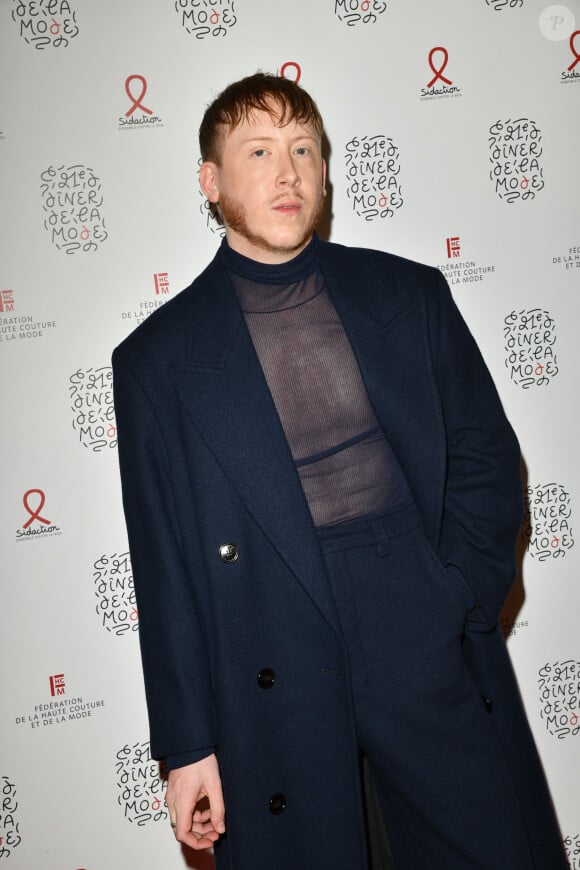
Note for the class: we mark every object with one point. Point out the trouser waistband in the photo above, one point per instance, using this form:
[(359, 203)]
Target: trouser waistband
[(370, 530)]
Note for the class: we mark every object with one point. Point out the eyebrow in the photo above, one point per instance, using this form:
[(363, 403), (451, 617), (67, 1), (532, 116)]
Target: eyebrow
[(272, 138)]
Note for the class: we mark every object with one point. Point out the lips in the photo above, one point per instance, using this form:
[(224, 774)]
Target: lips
[(288, 207)]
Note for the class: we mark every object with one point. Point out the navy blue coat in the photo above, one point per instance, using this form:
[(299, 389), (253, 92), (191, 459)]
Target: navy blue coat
[(204, 462)]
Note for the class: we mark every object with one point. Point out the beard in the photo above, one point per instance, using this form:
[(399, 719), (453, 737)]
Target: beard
[(233, 215)]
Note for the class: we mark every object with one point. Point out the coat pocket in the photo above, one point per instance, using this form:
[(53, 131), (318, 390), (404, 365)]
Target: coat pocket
[(453, 577)]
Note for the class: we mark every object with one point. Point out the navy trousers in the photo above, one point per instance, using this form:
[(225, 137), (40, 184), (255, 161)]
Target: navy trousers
[(442, 779)]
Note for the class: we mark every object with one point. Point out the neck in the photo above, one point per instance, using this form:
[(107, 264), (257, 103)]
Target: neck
[(256, 250)]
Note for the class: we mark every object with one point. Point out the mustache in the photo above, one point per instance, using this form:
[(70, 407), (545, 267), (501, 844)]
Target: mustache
[(293, 197)]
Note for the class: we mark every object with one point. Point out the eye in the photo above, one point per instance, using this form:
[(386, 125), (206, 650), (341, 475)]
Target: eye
[(259, 152), (303, 151)]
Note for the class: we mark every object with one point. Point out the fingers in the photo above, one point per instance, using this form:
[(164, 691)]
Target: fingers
[(216, 804), (196, 805)]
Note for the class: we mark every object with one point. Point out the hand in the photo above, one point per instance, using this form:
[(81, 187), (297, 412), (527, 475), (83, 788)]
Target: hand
[(196, 804)]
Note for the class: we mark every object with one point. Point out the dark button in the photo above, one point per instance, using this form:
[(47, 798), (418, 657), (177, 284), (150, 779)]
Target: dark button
[(228, 553), (277, 804), (266, 678), (488, 704)]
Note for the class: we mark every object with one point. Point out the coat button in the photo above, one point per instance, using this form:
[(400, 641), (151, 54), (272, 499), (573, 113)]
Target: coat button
[(266, 678), (228, 553), (277, 804), (488, 704)]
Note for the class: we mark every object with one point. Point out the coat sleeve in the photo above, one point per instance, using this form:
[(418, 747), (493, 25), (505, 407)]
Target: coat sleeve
[(483, 501), (171, 631)]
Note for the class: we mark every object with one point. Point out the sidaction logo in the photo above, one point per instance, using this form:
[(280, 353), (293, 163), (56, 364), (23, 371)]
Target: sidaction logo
[(439, 86), (572, 72), (138, 116), (37, 525)]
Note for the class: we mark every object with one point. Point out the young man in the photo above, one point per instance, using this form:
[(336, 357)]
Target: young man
[(322, 495)]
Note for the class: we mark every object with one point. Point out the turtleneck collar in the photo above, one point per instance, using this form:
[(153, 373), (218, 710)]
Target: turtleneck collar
[(297, 269)]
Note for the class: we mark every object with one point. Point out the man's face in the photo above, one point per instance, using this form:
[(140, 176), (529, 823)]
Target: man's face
[(269, 187)]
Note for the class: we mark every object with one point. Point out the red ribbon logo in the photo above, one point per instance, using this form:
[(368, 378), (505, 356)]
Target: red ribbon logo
[(439, 72), (34, 514), (573, 50), (293, 64), (137, 104)]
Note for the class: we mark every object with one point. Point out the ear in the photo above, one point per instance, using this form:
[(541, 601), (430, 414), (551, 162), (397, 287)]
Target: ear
[(209, 181), (324, 177)]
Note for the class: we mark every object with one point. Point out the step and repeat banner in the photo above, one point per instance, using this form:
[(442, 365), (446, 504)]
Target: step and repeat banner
[(452, 138)]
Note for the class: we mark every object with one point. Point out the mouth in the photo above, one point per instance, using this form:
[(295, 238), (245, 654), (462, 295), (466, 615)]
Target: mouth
[(288, 207)]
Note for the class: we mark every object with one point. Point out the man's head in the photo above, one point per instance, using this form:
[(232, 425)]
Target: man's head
[(262, 168)]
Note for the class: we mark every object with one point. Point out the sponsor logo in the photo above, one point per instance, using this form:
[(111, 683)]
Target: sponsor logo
[(91, 394), (439, 86), (72, 201), (138, 116), (458, 271), (161, 288), (60, 711), (572, 847), (57, 684), (161, 280), (569, 260), (204, 18), (36, 526), (353, 12), (44, 23), (546, 528), (530, 337), (515, 152), (572, 72), (113, 584), (373, 169), (10, 837), (559, 691), (500, 5), (453, 247), (6, 301), (291, 70), (141, 785), (511, 628), (21, 327)]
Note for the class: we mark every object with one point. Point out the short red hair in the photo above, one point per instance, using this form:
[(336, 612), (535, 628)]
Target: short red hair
[(283, 99)]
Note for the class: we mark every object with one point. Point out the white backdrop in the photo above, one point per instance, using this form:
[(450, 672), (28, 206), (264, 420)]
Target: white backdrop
[(453, 132)]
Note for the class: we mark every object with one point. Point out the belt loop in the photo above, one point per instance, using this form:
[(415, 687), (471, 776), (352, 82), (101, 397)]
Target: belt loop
[(383, 540)]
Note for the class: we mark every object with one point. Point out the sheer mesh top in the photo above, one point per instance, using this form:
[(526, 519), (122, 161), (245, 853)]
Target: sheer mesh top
[(346, 466)]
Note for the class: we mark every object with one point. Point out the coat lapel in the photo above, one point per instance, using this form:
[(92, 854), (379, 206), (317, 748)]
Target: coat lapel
[(389, 336), (229, 403)]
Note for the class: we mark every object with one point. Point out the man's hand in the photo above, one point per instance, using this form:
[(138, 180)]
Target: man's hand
[(196, 804)]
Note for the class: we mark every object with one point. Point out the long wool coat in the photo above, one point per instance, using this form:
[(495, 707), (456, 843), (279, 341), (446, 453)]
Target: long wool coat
[(204, 463)]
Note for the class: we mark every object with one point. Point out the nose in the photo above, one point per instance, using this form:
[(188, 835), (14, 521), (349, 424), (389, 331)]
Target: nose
[(288, 175)]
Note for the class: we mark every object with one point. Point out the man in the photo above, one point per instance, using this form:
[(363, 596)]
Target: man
[(322, 495)]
